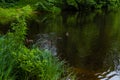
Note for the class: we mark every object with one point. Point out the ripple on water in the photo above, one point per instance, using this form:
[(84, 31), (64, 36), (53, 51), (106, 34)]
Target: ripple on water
[(109, 75)]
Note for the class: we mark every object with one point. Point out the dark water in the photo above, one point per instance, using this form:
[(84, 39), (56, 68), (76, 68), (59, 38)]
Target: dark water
[(4, 28), (89, 42)]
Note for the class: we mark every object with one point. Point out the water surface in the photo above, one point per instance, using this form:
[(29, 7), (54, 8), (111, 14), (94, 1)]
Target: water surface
[(89, 42)]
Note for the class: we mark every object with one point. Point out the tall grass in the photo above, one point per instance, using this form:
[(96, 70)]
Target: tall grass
[(6, 62)]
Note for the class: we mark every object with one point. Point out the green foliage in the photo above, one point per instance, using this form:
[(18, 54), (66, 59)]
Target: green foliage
[(56, 5), (92, 4), (20, 63), (10, 14), (8, 3), (47, 5), (9, 44), (39, 65), (72, 2), (6, 61)]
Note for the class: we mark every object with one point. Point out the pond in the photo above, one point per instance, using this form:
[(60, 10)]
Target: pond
[(89, 42)]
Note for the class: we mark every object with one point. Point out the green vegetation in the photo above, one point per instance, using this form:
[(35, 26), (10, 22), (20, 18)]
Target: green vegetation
[(20, 63), (39, 5), (65, 5), (91, 4), (17, 62), (9, 15)]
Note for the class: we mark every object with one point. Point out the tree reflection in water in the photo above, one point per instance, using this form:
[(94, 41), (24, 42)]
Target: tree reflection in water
[(85, 40)]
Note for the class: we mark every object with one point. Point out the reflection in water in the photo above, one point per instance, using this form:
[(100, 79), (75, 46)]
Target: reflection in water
[(90, 42), (111, 74), (4, 28), (46, 42)]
